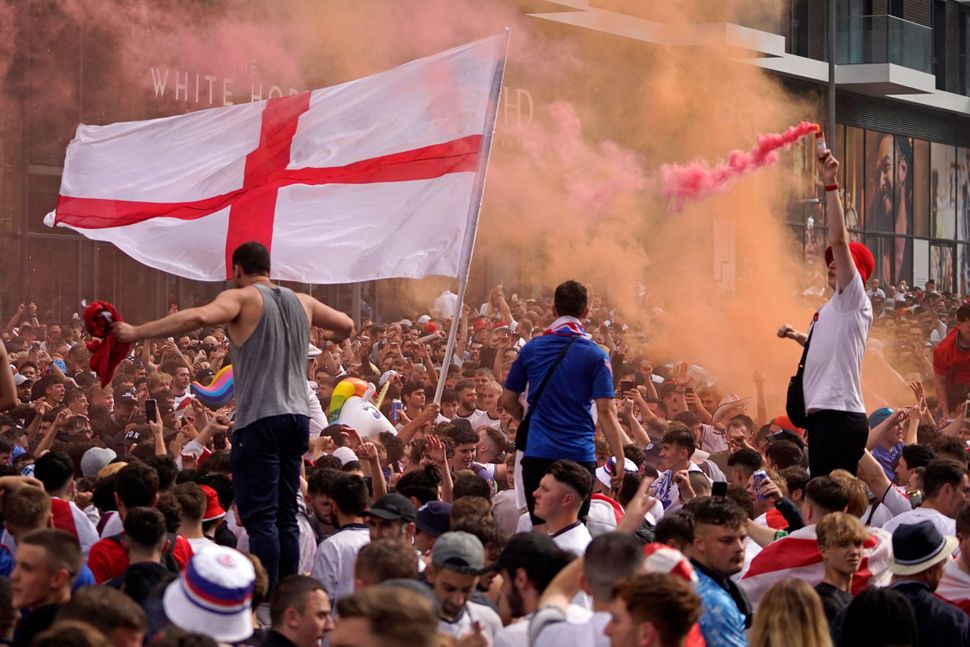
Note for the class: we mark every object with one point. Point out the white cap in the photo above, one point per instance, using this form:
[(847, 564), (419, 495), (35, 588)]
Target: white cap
[(312, 351), (345, 454), (423, 319)]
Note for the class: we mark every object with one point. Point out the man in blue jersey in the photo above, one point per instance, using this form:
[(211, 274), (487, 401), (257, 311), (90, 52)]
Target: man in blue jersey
[(561, 423)]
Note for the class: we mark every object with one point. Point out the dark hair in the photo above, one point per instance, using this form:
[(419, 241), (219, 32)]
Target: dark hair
[(683, 438), (678, 526), (420, 484), (940, 472), (463, 436), (796, 478), (668, 602), (396, 616), (963, 312), (464, 384), (715, 511), (321, 481), (897, 620), (468, 484), (63, 550), (784, 453), (192, 500), (291, 593), (917, 456), (136, 485), (570, 299), (827, 494), (393, 445), (747, 458), (949, 447), (54, 470), (538, 555), (487, 530), (963, 520), (631, 484), (350, 495), (635, 454), (743, 420), (574, 475), (386, 559), (252, 258), (70, 633), (104, 608), (222, 484), (145, 528), (166, 469)]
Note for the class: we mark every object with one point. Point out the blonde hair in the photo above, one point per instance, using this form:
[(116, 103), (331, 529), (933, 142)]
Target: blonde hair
[(790, 615), (858, 498), (840, 529)]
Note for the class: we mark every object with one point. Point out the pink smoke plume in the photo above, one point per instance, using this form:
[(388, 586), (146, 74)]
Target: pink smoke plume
[(698, 179)]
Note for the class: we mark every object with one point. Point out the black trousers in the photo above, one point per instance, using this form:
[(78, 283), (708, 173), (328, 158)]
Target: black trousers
[(836, 440), (533, 469)]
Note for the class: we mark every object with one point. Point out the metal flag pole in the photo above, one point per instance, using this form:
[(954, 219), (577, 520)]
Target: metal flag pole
[(474, 209)]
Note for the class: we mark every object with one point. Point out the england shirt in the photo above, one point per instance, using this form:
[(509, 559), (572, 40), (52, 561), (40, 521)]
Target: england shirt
[(333, 565), (943, 523)]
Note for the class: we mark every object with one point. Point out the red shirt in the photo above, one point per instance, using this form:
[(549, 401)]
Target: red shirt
[(109, 559), (952, 362)]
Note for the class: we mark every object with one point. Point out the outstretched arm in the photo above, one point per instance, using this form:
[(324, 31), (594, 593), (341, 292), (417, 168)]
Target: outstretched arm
[(223, 309)]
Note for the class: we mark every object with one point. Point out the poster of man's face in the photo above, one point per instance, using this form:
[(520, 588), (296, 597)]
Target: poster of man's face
[(888, 162)]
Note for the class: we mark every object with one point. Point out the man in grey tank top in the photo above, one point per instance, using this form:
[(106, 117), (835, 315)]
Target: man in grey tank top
[(269, 328)]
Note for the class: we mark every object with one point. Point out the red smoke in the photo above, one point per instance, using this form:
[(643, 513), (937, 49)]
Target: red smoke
[(682, 182)]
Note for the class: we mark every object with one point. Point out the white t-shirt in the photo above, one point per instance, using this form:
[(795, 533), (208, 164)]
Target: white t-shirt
[(333, 565), (573, 538), (517, 633), (473, 612), (476, 419), (445, 305), (587, 634), (199, 544), (833, 368), (943, 523), (712, 441)]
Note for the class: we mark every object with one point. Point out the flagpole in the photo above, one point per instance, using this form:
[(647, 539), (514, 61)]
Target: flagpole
[(474, 210)]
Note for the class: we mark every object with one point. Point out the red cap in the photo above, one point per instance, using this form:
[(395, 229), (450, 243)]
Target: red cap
[(430, 327), (785, 423), (213, 509), (478, 324), (861, 256)]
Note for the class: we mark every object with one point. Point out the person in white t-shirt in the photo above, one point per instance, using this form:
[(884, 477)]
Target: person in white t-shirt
[(193, 502), (608, 559), (528, 563), (945, 484), (468, 405), (837, 428), (457, 559), (333, 565), (559, 498)]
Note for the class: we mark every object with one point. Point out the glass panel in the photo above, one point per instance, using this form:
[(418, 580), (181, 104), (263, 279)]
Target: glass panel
[(920, 172), (884, 39), (854, 186), (963, 194), (881, 247), (943, 190), (921, 262), (53, 277), (963, 269), (941, 267)]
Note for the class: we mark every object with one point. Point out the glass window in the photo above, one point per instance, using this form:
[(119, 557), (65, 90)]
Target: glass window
[(921, 263), (943, 190), (941, 266), (881, 247), (919, 171), (53, 279), (880, 177), (963, 269), (963, 193), (903, 266), (854, 185)]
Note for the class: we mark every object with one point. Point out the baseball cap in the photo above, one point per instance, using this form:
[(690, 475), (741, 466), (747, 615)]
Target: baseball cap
[(312, 351), (434, 518), (784, 434), (345, 454), (458, 551), (96, 458), (423, 319), (878, 416), (19, 379), (392, 507)]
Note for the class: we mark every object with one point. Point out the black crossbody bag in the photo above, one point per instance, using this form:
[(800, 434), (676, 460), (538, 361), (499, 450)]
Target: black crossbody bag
[(522, 433), (795, 402)]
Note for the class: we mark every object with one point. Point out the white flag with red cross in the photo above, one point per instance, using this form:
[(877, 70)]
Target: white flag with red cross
[(376, 178)]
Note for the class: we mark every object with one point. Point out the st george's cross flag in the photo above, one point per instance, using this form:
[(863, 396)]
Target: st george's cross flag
[(375, 178)]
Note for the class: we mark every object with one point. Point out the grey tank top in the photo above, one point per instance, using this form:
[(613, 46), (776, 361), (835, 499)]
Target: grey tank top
[(269, 369)]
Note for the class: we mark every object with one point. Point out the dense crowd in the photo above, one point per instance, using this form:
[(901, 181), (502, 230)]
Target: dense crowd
[(121, 522)]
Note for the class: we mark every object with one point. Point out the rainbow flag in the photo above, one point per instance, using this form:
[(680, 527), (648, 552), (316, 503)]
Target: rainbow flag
[(219, 392)]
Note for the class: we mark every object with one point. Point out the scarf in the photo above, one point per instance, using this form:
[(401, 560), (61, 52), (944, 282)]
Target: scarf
[(567, 327), (106, 351)]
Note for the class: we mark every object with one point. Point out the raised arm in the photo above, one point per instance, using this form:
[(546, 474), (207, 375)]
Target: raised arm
[(223, 309), (828, 172), (8, 389)]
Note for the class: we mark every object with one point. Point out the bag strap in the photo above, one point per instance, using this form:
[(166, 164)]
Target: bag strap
[(801, 362), (548, 376)]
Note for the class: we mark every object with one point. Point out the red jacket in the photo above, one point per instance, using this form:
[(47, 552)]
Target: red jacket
[(109, 557)]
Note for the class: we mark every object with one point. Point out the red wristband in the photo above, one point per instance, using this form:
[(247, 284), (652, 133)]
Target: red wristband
[(832, 187)]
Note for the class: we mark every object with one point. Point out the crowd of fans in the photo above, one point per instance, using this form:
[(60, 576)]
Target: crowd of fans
[(120, 526)]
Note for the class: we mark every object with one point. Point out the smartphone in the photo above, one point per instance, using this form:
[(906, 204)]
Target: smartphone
[(151, 410), (689, 390), (219, 440), (719, 488), (627, 385)]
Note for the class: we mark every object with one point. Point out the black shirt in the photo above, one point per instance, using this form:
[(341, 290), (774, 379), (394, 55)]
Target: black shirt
[(833, 600), (33, 623)]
